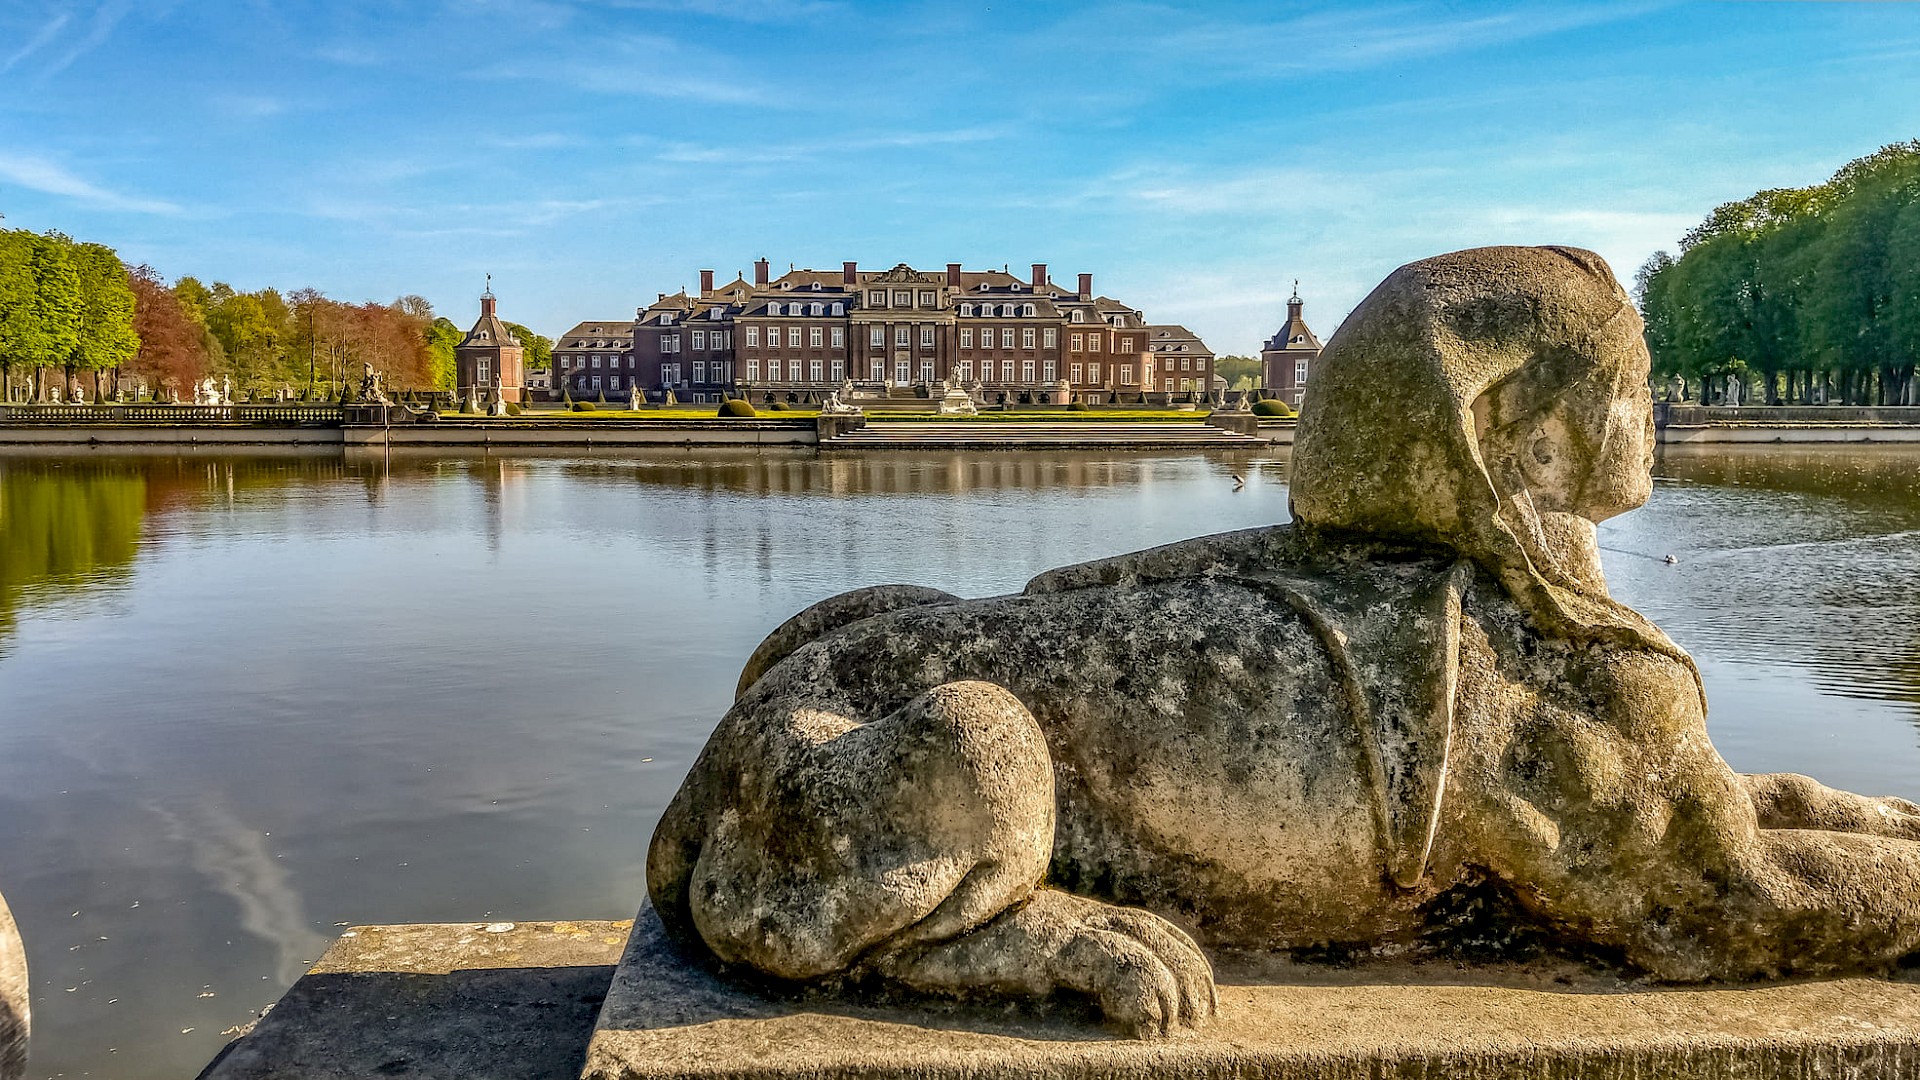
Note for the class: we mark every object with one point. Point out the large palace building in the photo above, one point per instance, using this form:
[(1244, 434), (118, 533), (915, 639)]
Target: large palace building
[(900, 331)]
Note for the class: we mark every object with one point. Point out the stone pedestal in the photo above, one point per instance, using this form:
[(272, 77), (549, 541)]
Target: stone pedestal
[(485, 1001), (1244, 423), (13, 999), (667, 1018)]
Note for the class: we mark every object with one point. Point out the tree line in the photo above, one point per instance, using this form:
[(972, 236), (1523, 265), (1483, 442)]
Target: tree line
[(77, 322), (1805, 294)]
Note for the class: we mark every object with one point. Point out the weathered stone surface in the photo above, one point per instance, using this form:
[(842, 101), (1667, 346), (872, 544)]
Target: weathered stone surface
[(14, 1004), (1325, 733), (472, 1001), (667, 1018)]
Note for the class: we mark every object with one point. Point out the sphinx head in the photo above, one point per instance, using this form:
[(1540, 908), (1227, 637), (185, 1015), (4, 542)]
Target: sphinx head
[(1492, 400)]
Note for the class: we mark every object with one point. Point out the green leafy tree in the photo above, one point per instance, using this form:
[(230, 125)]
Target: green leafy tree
[(105, 339), (57, 304), (442, 336), (539, 350)]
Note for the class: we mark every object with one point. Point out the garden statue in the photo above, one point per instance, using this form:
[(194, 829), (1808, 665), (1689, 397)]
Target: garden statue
[(14, 1010), (636, 398), (1734, 391), (1676, 390), (1325, 732), (370, 390)]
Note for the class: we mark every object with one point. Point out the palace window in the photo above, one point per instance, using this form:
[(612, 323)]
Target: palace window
[(1093, 373), (483, 370), (1079, 316), (1026, 310), (874, 369), (963, 371), (1026, 337), (902, 336), (699, 340), (1049, 373), (817, 309), (1093, 342), (773, 369), (839, 309), (814, 335), (814, 369), (1051, 338), (966, 309), (1299, 373), (753, 369), (926, 299), (700, 371), (877, 338), (926, 337), (903, 299), (839, 337), (902, 372), (596, 382), (877, 299), (753, 337), (666, 318), (1126, 344), (839, 369), (1006, 371), (1006, 337), (1026, 371), (926, 372), (1126, 374), (793, 336), (1074, 373), (966, 338)]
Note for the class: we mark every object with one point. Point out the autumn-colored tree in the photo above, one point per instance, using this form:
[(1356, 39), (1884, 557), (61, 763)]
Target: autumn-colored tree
[(172, 351)]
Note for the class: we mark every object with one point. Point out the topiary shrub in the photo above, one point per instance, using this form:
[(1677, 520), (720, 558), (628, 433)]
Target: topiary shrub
[(1078, 406), (777, 406), (583, 406), (1272, 407), (513, 408), (737, 407)]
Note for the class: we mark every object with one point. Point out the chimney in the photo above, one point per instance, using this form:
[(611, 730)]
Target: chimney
[(1039, 276), (486, 306), (849, 273), (953, 275), (760, 267), (706, 282), (1086, 286)]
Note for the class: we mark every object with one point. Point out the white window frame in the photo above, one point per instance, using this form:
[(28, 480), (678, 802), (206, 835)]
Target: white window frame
[(839, 337), (1006, 337), (816, 369), (1049, 372), (1050, 338), (1026, 371), (814, 335), (753, 337), (966, 337), (877, 337), (903, 336), (926, 337), (753, 369), (1026, 337), (839, 369)]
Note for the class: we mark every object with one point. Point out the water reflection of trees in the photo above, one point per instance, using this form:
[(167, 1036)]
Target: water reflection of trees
[(72, 526)]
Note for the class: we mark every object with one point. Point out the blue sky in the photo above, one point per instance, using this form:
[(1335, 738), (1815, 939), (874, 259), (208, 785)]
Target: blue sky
[(1196, 158)]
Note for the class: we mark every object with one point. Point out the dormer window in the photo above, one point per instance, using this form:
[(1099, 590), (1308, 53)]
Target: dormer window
[(666, 318), (818, 309), (839, 309), (1027, 310), (1079, 316), (482, 335), (966, 309)]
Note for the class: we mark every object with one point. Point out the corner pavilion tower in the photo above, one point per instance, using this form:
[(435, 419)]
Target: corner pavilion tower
[(490, 359)]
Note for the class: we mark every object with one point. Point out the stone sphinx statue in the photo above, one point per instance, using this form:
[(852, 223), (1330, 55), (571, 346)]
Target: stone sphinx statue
[(1288, 737)]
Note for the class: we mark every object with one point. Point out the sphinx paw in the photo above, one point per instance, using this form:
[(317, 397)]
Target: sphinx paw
[(1147, 975)]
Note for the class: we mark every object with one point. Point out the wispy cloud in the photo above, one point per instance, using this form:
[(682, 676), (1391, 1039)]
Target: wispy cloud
[(756, 11), (853, 143), (105, 18), (37, 42), (46, 177)]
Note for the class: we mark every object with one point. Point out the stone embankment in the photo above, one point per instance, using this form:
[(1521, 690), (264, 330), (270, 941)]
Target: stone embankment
[(1682, 424)]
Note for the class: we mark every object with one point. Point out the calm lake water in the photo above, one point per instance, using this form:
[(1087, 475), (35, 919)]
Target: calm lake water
[(248, 700)]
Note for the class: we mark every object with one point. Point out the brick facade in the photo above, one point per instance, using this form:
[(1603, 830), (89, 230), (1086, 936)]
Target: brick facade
[(1287, 359)]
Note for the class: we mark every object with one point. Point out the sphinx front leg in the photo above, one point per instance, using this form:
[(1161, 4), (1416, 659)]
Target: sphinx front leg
[(808, 846)]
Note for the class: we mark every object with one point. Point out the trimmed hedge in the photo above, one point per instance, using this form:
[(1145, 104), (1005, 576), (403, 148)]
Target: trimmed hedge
[(1272, 407), (583, 406), (737, 407)]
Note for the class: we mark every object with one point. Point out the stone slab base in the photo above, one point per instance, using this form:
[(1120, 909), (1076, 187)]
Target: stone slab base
[(666, 1017), (476, 1001)]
